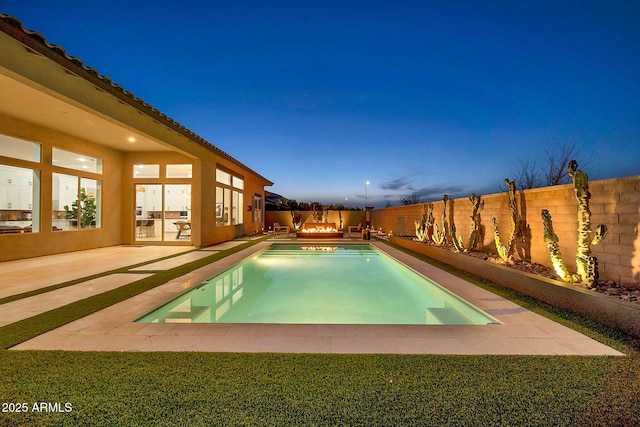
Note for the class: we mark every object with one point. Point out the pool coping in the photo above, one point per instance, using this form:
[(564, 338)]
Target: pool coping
[(607, 310), (161, 314), (520, 332)]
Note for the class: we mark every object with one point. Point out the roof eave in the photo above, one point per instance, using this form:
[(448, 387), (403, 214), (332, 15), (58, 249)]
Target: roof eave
[(38, 43)]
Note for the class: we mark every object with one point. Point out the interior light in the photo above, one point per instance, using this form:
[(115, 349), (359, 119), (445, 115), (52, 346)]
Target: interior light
[(131, 139)]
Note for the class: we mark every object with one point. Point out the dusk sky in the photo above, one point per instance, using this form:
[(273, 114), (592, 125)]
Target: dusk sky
[(426, 97)]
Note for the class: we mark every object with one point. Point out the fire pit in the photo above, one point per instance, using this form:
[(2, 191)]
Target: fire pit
[(314, 230)]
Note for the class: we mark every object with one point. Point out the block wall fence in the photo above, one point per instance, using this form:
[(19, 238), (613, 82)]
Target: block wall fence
[(614, 203)]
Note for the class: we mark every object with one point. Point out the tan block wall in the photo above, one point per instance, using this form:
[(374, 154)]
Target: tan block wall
[(614, 203), (284, 218)]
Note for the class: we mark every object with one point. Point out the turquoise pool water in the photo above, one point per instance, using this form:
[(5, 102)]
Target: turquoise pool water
[(319, 284)]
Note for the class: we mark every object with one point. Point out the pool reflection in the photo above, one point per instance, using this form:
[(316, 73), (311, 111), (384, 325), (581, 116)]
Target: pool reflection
[(351, 284)]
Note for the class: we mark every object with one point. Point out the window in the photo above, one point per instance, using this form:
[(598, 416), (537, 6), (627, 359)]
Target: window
[(19, 186), (223, 177), (179, 171), (76, 202), (238, 183), (236, 212), (19, 149), (238, 197), (90, 196), (19, 200), (71, 160), (229, 201), (257, 208), (223, 203), (146, 171), (76, 199)]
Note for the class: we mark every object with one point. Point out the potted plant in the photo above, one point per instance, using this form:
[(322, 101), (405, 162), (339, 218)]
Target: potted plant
[(88, 209)]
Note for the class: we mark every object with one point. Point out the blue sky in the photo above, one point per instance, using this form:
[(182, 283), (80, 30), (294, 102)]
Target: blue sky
[(414, 97)]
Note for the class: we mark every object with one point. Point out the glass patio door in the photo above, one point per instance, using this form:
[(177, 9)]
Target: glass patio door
[(148, 213), (177, 212), (163, 212)]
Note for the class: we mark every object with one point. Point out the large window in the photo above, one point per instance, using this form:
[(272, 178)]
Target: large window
[(76, 198), (229, 198), (70, 160), (19, 200), (19, 186), (76, 202)]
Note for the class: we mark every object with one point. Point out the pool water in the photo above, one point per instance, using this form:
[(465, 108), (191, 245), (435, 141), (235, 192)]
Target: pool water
[(319, 284)]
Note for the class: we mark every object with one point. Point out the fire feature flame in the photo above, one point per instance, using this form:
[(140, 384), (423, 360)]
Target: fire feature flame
[(319, 230)]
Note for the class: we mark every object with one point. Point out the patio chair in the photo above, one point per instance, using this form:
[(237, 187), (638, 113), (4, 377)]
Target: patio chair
[(277, 227), (356, 228), (149, 228), (183, 227)]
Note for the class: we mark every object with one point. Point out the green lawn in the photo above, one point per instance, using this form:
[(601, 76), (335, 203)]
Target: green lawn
[(180, 389), (162, 388)]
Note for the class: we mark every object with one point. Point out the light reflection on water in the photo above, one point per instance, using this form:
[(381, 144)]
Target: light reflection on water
[(346, 284)]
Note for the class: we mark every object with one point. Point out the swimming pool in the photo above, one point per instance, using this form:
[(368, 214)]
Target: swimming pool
[(319, 284)]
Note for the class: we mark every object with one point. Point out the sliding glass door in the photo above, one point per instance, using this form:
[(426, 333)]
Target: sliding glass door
[(177, 212), (163, 212), (148, 212)]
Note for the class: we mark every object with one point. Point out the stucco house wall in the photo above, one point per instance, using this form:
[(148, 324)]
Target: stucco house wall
[(55, 100)]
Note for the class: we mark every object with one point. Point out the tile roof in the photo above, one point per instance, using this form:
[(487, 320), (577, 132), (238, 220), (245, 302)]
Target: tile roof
[(37, 42)]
